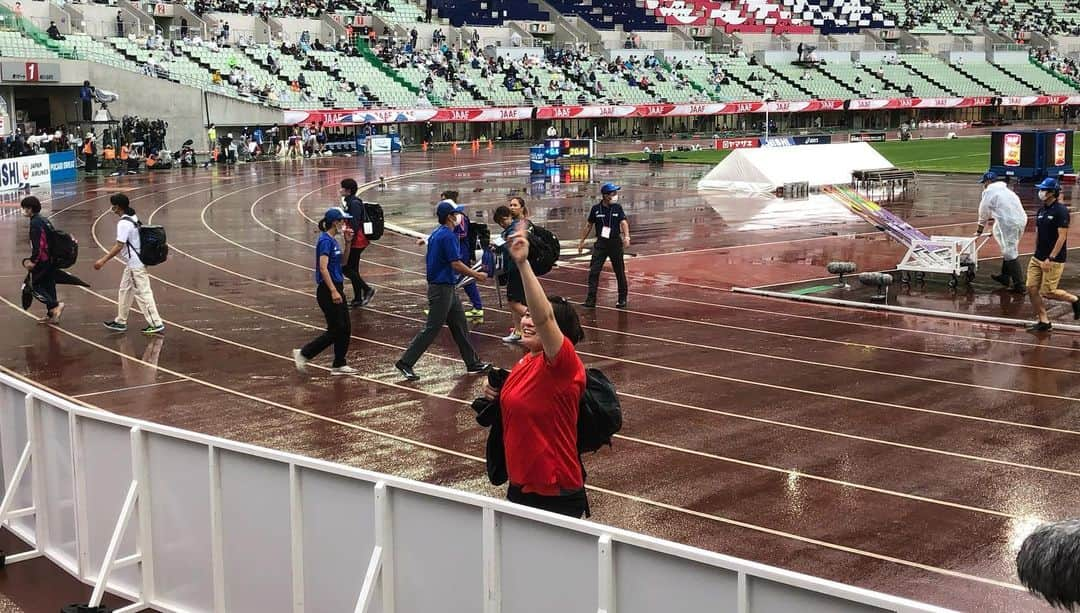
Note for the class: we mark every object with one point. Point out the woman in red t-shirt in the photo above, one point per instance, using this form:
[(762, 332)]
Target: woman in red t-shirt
[(539, 400)]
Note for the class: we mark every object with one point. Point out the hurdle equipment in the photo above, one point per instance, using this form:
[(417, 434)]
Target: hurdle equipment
[(881, 280), (841, 268), (956, 256)]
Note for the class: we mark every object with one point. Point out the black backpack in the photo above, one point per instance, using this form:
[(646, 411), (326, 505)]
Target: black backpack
[(599, 414), (543, 249), (154, 247), (479, 236), (63, 248), (373, 213)]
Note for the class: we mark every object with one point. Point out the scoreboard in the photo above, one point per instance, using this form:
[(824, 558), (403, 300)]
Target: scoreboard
[(1031, 154), (556, 148)]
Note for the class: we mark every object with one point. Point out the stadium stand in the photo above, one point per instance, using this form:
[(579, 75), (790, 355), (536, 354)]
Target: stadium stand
[(606, 14), (786, 16), (928, 17), (488, 12), (944, 76), (860, 80)]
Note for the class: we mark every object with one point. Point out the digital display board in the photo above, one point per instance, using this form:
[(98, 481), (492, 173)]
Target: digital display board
[(1012, 149), (1058, 149), (569, 147)]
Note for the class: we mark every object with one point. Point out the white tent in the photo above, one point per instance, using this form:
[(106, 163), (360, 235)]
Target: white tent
[(767, 168)]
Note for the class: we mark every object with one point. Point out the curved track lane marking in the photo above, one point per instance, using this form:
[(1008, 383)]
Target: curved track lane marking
[(436, 448), (893, 329), (656, 400), (625, 437), (701, 345)]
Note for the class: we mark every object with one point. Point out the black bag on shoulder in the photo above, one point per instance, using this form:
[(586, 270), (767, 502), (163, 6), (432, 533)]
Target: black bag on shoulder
[(63, 248), (153, 243), (373, 213), (599, 413), (543, 249)]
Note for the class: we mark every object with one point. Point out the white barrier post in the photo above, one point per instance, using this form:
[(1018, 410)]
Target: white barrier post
[(82, 524), (217, 552), (381, 566), (605, 576), (110, 562), (296, 527), (492, 547), (140, 473)]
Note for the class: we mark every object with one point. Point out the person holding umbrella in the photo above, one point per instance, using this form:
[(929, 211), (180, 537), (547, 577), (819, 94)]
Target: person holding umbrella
[(41, 277)]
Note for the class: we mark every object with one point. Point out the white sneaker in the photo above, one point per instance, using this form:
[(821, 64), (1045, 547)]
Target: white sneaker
[(343, 370), (513, 337), (299, 360)]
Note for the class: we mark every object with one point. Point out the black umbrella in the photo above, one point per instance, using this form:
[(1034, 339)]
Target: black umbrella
[(63, 277)]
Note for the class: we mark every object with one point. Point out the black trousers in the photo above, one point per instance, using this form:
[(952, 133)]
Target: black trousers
[(602, 250), (338, 327), (44, 280), (443, 308), (574, 504), (352, 271), (87, 110)]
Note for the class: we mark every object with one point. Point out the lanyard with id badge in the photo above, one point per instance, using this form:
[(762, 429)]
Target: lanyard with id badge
[(605, 230)]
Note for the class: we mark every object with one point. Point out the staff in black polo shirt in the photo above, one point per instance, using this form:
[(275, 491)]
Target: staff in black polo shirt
[(1048, 262), (612, 236)]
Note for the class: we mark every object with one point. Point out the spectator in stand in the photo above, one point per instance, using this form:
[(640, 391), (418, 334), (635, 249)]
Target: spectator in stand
[(119, 24), (54, 32)]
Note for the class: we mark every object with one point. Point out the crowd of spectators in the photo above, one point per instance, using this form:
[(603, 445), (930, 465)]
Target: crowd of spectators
[(1016, 20), (1062, 65)]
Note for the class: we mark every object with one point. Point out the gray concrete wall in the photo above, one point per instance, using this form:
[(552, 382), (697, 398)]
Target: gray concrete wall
[(185, 108)]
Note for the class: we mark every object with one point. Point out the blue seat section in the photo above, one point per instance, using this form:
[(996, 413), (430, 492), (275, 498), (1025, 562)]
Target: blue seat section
[(605, 14), (488, 12)]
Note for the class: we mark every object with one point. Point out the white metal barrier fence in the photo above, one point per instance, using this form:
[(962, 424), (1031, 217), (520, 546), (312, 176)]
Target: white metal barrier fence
[(185, 522)]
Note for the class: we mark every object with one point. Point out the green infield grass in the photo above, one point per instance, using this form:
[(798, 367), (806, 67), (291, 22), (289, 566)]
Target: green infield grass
[(934, 155)]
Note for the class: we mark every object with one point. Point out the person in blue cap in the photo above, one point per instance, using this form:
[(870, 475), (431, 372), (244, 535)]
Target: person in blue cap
[(444, 265), (612, 237), (1003, 205), (1048, 262), (330, 294)]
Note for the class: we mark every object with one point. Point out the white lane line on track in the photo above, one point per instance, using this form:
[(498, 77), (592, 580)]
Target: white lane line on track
[(892, 329), (900, 445), (682, 371), (642, 441), (408, 441), (712, 347), (128, 388)]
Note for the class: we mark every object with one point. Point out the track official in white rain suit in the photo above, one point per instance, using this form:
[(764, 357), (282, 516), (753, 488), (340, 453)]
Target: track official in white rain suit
[(1001, 203)]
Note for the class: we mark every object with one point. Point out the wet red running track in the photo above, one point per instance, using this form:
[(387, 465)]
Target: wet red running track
[(904, 454)]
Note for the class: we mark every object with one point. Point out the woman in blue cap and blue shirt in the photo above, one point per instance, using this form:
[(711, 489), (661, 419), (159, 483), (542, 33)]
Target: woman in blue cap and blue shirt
[(330, 294)]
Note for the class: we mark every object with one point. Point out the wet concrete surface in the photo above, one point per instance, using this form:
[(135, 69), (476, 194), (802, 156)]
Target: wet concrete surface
[(752, 424)]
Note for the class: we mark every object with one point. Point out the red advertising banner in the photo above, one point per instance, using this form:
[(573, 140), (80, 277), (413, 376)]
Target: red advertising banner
[(736, 143), (616, 111), (584, 112)]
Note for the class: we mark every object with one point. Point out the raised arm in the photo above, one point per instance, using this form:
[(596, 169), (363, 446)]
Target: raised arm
[(543, 317)]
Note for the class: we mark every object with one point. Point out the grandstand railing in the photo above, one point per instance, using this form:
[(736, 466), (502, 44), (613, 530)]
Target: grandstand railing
[(181, 521)]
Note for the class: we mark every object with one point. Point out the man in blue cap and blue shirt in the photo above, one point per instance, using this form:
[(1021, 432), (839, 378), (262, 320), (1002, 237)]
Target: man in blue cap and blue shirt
[(443, 267), (1003, 205), (612, 237), (1048, 262)]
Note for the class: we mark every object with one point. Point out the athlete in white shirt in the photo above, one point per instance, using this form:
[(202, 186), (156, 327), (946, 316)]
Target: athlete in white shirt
[(1002, 204), (135, 282)]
